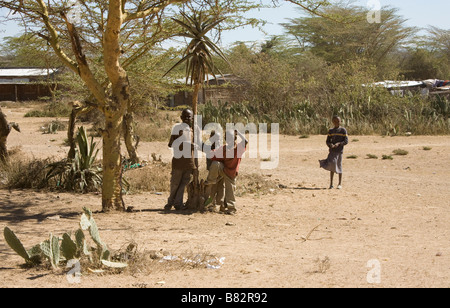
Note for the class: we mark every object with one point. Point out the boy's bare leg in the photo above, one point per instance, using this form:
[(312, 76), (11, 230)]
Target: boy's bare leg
[(214, 177), (230, 200), (220, 193), (216, 195)]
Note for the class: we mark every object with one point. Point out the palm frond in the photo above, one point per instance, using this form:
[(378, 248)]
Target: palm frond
[(185, 58), (198, 53), (187, 27), (209, 27)]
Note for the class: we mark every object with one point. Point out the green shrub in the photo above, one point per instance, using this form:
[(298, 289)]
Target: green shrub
[(400, 152), (52, 110)]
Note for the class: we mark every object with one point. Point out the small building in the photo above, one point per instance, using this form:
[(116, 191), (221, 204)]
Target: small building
[(402, 88), (226, 88), (26, 83), (425, 87)]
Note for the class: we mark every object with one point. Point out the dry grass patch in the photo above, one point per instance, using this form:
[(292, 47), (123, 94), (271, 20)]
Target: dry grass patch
[(153, 261), (154, 177), (400, 152), (21, 172)]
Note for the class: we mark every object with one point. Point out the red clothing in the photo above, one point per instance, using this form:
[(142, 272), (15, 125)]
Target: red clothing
[(230, 159)]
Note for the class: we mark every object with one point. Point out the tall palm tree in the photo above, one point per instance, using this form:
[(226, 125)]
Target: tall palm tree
[(199, 64), (198, 54)]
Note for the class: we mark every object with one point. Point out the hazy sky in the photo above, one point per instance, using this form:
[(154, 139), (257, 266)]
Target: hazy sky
[(418, 13)]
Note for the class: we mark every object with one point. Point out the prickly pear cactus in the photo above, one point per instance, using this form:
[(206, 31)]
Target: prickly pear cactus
[(79, 239), (45, 248), (102, 250), (68, 247), (35, 254), (55, 250), (92, 225), (114, 264), (15, 244), (106, 254), (93, 231)]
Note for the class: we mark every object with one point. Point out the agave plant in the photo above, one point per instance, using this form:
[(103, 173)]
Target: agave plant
[(80, 174), (87, 150)]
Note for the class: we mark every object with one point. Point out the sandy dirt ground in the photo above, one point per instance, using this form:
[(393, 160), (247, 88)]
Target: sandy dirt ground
[(387, 227)]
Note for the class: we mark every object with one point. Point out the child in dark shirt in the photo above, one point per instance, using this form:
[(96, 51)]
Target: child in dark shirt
[(336, 140), (182, 165)]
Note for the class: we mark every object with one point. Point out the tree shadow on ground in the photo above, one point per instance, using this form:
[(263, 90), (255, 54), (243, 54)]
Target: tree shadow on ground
[(166, 212), (14, 212)]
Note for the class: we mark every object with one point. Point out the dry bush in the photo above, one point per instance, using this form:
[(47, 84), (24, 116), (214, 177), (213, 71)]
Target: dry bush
[(400, 152), (156, 126), (155, 177), (21, 172), (150, 132), (53, 126), (52, 110), (255, 184), (153, 261), (322, 265)]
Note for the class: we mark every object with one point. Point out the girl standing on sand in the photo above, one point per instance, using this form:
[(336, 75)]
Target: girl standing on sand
[(336, 140)]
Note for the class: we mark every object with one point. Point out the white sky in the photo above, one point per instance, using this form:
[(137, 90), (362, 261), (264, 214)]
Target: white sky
[(418, 13)]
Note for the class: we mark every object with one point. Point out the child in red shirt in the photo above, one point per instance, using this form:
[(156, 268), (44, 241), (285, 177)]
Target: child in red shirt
[(225, 165)]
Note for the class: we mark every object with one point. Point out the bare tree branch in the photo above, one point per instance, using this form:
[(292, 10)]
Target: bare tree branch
[(53, 38), (83, 67), (150, 11)]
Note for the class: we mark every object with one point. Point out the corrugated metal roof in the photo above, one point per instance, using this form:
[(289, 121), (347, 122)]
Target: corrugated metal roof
[(26, 72), (397, 84), (209, 78)]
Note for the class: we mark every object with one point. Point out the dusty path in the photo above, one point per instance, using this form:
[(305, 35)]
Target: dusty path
[(393, 213)]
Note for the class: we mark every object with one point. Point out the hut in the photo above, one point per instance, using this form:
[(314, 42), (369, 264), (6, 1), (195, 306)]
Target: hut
[(402, 88), (26, 83), (219, 88), (425, 87)]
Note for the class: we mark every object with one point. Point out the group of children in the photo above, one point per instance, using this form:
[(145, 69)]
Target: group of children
[(223, 162)]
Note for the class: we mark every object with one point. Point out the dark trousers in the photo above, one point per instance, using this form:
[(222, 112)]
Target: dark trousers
[(178, 182)]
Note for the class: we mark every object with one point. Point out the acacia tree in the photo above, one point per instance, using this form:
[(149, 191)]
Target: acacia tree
[(105, 33), (352, 36)]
